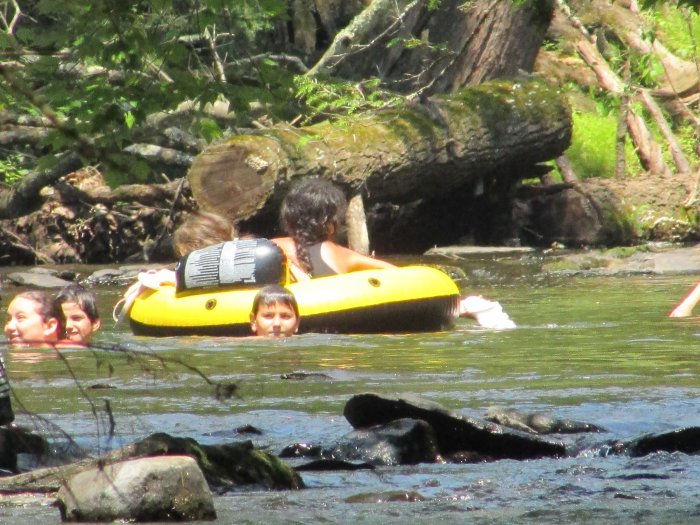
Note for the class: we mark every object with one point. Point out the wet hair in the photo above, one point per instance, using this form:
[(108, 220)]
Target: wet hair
[(308, 209), (84, 298), (48, 307), (201, 229), (273, 294)]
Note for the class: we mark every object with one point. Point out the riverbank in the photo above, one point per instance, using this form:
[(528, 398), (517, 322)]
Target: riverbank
[(651, 258)]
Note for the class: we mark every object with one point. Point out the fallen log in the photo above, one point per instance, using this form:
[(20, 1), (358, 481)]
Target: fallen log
[(424, 150)]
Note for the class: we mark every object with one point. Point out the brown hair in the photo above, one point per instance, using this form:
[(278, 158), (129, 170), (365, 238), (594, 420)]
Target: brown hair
[(272, 294), (201, 229)]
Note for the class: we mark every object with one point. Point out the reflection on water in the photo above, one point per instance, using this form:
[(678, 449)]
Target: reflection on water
[(595, 349)]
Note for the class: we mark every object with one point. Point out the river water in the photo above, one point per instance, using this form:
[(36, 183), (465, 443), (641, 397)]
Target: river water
[(593, 348)]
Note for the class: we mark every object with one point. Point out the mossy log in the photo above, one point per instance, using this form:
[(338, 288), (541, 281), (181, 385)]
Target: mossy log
[(224, 466), (421, 150)]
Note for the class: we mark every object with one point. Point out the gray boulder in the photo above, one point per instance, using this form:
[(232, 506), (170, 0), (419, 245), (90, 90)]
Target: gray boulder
[(538, 422), (163, 488), (37, 279)]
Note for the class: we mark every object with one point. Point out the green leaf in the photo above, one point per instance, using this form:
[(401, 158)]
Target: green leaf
[(129, 119)]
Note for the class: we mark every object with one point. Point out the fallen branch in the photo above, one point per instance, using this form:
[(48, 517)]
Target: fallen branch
[(20, 199), (169, 156), (146, 194)]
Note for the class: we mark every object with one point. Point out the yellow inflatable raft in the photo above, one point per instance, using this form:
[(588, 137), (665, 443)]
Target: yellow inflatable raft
[(400, 300)]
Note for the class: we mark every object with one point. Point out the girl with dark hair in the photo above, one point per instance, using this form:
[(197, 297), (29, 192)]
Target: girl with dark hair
[(34, 319), (311, 215)]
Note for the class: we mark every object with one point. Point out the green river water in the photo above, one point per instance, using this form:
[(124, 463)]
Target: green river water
[(588, 347)]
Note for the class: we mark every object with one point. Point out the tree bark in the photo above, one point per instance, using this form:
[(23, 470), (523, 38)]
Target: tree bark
[(356, 220), (404, 43), (419, 151)]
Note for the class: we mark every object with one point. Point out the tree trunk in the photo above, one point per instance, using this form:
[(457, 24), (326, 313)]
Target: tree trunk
[(404, 43), (415, 152), (356, 220)]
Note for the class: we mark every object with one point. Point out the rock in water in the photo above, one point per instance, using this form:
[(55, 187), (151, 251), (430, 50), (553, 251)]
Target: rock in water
[(163, 488)]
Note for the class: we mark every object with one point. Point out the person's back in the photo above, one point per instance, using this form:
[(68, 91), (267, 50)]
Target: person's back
[(311, 215)]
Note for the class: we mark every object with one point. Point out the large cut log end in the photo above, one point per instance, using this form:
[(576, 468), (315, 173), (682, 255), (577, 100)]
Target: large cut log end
[(235, 178)]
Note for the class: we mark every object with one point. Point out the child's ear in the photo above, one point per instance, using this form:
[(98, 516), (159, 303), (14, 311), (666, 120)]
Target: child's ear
[(51, 327), (96, 325), (253, 324)]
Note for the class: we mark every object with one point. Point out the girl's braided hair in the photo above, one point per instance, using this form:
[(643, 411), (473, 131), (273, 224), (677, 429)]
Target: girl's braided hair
[(310, 207)]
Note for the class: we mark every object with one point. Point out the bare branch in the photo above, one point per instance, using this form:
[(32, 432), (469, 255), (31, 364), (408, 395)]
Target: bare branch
[(348, 40), (210, 37), (152, 152), (18, 200), (10, 26)]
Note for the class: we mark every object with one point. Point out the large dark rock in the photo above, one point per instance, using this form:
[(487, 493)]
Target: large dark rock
[(686, 440), (570, 216), (16, 440), (399, 442), (454, 432)]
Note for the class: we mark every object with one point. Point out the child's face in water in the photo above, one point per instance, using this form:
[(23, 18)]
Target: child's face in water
[(79, 327), (274, 320), (24, 323)]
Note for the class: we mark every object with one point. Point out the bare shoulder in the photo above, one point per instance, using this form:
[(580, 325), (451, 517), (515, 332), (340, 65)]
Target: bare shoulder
[(353, 261), (283, 242)]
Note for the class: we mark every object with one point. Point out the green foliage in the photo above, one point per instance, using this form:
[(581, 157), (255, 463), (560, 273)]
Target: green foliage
[(12, 167), (325, 97), (592, 150), (677, 29), (103, 66), (691, 4)]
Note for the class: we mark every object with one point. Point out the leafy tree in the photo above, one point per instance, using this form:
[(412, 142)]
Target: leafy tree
[(99, 70)]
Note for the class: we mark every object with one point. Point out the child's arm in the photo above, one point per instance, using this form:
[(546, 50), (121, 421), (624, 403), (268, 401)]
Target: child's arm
[(685, 307)]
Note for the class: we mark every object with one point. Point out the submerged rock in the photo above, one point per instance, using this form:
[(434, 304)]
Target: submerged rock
[(399, 442), (454, 433), (320, 465)]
